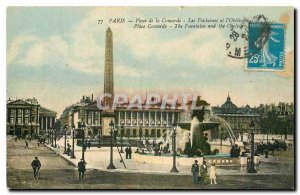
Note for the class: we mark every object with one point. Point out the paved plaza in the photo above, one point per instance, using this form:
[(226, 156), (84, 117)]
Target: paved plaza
[(58, 172), (98, 158)]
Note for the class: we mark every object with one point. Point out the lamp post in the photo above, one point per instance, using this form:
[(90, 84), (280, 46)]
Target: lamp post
[(81, 125), (128, 134), (73, 142), (65, 150), (55, 138), (52, 138), (48, 131), (140, 134), (116, 132), (111, 165), (251, 168), (121, 140), (100, 130), (221, 140), (174, 169)]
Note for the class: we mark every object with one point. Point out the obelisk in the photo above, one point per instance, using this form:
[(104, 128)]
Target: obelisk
[(108, 114), (109, 69)]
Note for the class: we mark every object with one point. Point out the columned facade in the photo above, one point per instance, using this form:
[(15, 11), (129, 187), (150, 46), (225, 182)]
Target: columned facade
[(27, 117)]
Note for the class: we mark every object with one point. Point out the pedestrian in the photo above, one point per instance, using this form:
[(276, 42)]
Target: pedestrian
[(89, 145), (81, 168), (26, 144), (68, 151), (36, 165), (195, 171), (129, 152), (212, 174), (203, 171)]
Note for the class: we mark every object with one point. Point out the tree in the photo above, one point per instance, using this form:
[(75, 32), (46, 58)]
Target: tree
[(269, 122)]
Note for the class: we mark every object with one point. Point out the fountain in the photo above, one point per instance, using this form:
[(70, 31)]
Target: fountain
[(223, 124), (188, 149), (182, 136)]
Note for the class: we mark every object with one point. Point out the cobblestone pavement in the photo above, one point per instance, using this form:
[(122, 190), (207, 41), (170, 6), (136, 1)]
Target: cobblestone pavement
[(57, 173)]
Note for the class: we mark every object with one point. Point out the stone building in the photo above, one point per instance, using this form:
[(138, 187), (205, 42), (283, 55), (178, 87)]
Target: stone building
[(47, 119), (28, 117), (238, 118), (86, 109), (153, 121)]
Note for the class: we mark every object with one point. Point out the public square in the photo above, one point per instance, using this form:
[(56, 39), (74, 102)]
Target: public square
[(185, 124), (276, 172)]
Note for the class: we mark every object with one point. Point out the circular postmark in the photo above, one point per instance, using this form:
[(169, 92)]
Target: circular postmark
[(237, 45)]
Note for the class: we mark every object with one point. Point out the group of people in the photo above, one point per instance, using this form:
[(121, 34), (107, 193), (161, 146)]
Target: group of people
[(201, 174)]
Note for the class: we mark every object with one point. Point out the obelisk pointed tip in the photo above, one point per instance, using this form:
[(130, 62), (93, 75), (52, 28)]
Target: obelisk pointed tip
[(108, 29)]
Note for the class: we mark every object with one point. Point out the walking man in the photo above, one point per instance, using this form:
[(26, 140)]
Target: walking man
[(81, 168), (129, 152), (36, 165), (26, 144), (195, 171)]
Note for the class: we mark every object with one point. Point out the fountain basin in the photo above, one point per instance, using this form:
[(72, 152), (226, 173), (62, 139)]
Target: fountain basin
[(166, 160), (183, 160)]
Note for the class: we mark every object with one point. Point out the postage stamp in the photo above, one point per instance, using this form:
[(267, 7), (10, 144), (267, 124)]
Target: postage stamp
[(266, 46), (153, 98)]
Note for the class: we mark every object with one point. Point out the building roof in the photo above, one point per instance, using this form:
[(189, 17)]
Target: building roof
[(28, 102), (228, 103), (46, 111)]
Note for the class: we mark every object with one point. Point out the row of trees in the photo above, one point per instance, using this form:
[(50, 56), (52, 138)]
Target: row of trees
[(272, 123)]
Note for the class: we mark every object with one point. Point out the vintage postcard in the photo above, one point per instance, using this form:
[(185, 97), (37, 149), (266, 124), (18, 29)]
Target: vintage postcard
[(150, 98)]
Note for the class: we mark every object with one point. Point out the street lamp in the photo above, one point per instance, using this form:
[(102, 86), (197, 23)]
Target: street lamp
[(174, 169), (52, 137), (81, 125), (121, 140), (48, 131), (116, 132), (128, 134), (73, 142), (140, 134), (65, 150), (55, 138), (100, 130), (111, 126), (221, 140), (251, 168)]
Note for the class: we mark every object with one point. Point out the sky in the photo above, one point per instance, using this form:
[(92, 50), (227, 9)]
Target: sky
[(56, 54)]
